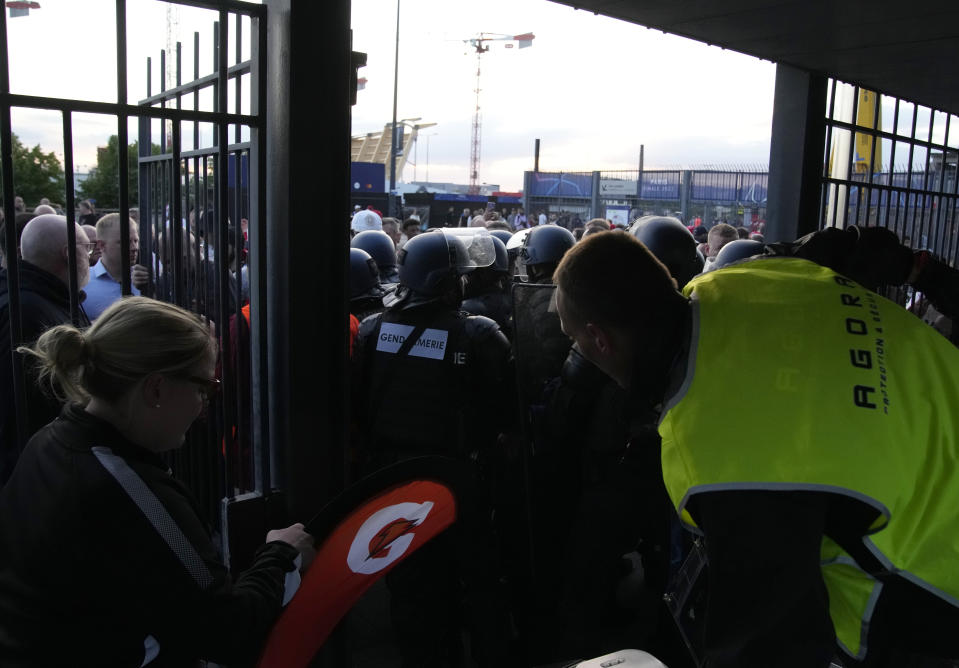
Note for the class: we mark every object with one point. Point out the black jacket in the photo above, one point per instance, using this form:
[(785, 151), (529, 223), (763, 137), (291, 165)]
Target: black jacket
[(86, 577), (44, 303)]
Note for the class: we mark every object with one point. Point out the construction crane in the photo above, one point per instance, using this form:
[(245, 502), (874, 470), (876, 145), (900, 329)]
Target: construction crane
[(481, 44)]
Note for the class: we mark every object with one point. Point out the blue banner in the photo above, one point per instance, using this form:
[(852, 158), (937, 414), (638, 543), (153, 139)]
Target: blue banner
[(558, 184), (367, 177), (661, 185)]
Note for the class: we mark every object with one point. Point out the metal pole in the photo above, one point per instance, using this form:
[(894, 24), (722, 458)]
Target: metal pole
[(536, 157), (396, 77)]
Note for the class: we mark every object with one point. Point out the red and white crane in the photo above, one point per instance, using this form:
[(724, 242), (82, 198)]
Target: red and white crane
[(481, 44)]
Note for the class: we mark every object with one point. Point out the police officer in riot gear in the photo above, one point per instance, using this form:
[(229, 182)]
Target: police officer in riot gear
[(455, 359), (542, 250), (429, 380), (366, 294), (383, 251), (487, 289), (672, 243)]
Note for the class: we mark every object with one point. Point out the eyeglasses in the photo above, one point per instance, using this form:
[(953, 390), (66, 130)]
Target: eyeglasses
[(209, 387), (88, 248)]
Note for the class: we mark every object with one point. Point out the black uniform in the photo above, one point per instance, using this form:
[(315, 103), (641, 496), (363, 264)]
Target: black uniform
[(438, 396), (44, 303), (103, 557)]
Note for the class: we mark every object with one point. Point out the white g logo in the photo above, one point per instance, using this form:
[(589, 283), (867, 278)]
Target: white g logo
[(385, 536)]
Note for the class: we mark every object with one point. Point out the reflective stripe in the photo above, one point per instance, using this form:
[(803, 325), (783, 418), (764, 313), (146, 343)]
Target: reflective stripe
[(866, 621), (151, 650), (156, 514), (690, 360)]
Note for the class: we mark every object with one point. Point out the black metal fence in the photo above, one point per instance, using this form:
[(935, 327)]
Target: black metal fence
[(202, 220), (892, 163)]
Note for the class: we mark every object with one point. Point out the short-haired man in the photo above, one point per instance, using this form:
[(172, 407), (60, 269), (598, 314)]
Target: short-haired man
[(828, 510), (719, 235), (44, 302), (105, 287)]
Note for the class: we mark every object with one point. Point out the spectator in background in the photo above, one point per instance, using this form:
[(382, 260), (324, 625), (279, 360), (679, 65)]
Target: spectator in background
[(87, 214), (450, 220), (478, 221), (366, 220), (719, 235), (44, 303), (91, 232), (392, 227), (105, 287), (18, 204), (743, 232), (465, 218), (520, 222), (411, 228), (42, 209)]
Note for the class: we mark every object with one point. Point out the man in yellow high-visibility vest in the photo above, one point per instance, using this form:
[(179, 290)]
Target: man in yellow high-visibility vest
[(830, 508)]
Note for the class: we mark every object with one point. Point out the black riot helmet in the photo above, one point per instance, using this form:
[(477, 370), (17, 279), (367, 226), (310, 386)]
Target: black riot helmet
[(364, 275), (433, 263), (544, 247), (380, 247), (672, 244), (736, 250)]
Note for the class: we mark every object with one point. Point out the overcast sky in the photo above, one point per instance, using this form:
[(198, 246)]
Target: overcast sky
[(592, 89)]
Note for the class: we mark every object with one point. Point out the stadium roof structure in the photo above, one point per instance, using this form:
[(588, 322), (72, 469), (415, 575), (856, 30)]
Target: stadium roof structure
[(375, 146), (893, 47)]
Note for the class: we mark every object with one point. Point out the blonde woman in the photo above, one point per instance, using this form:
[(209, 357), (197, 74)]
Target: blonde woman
[(103, 558)]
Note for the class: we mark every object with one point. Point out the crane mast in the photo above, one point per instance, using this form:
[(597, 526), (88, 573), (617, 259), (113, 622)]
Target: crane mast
[(481, 46)]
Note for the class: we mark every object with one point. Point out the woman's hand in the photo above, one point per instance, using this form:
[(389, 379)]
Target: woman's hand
[(295, 536)]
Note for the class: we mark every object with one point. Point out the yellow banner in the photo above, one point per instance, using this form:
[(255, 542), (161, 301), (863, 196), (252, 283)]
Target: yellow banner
[(869, 115)]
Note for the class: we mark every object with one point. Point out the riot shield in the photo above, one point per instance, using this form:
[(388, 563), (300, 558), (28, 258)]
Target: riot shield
[(540, 345), (540, 349)]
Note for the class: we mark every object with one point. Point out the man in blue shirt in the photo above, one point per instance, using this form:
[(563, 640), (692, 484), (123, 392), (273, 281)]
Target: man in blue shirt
[(104, 287)]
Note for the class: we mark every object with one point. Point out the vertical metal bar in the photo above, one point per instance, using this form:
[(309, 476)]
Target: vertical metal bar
[(71, 231), (824, 193), (259, 370), (239, 88), (163, 146), (924, 222), (907, 222), (939, 227), (123, 160), (196, 93), (892, 163), (222, 253), (850, 175), (876, 110), (149, 77)]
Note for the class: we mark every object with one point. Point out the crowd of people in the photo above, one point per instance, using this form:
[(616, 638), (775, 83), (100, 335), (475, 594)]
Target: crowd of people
[(580, 370)]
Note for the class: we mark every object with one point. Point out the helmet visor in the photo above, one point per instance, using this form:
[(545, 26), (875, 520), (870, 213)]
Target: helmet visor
[(470, 248)]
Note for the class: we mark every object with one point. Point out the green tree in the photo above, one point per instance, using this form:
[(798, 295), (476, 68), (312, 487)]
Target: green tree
[(103, 185), (37, 174)]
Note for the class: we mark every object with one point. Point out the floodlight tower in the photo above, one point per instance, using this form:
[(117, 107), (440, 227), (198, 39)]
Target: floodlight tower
[(480, 44)]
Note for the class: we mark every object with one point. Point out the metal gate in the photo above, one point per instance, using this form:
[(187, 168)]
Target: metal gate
[(195, 204), (892, 163)]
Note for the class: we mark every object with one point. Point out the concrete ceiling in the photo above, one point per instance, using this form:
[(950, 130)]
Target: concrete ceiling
[(904, 48)]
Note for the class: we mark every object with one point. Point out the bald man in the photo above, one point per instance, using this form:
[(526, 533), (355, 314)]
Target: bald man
[(44, 303)]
